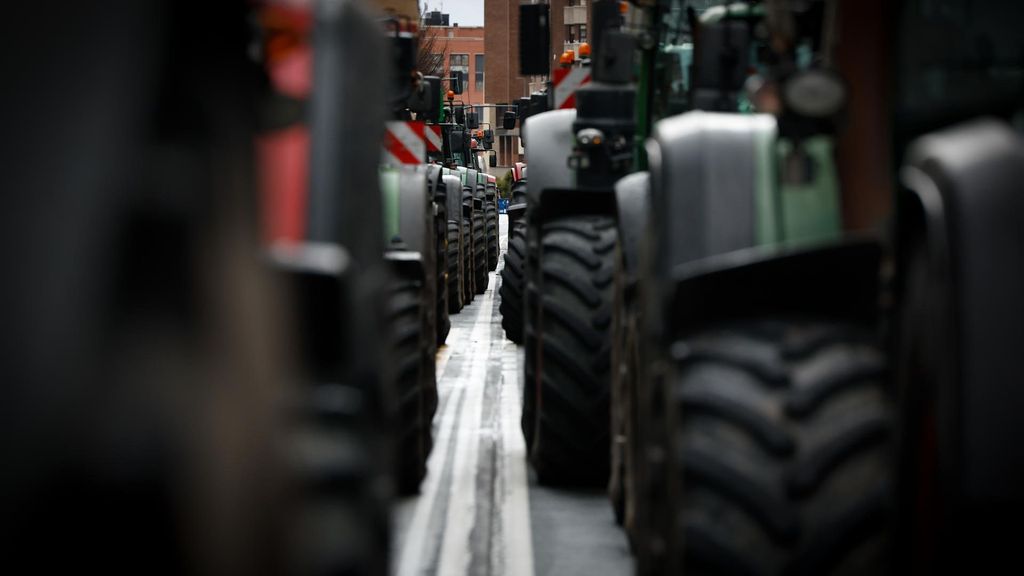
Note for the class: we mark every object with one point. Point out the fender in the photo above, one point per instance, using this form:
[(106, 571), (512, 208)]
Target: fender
[(709, 180), (961, 334), (415, 210), (632, 200), (552, 189), (453, 185), (321, 284), (838, 281)]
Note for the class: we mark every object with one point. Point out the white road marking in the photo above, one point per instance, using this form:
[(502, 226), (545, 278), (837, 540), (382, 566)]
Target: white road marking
[(511, 553), (415, 539), (455, 548)]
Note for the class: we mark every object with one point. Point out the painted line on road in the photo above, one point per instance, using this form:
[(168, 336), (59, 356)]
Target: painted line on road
[(455, 548)]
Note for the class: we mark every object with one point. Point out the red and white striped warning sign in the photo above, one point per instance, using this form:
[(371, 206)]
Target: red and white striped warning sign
[(566, 81), (432, 136), (404, 143)]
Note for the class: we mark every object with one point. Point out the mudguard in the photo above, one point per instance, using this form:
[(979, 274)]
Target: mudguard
[(632, 200), (319, 282), (454, 198), (416, 230), (961, 344), (547, 155), (706, 169), (835, 281), (415, 211)]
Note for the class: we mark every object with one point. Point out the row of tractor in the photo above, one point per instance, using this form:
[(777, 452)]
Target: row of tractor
[(768, 283), (225, 283)]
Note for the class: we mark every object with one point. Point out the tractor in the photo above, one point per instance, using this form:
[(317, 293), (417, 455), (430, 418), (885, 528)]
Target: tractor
[(325, 228), (155, 403), (814, 346), (491, 220), (414, 197), (572, 249), (511, 290)]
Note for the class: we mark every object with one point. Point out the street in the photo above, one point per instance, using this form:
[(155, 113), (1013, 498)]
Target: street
[(480, 511)]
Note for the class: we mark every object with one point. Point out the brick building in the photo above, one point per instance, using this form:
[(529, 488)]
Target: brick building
[(463, 50), (570, 26)]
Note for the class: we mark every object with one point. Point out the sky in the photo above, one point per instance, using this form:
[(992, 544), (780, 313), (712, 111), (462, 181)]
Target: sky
[(465, 12)]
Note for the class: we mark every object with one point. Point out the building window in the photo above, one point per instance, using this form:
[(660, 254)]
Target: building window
[(479, 71), (459, 63), (575, 33)]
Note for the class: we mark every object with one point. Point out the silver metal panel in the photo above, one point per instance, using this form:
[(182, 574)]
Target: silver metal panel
[(704, 171), (414, 209), (550, 140)]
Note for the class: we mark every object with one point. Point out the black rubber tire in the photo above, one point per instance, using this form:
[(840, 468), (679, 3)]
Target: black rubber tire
[(479, 252), (332, 443), (577, 262), (468, 291), (413, 434), (454, 265), (512, 284), (491, 217), (625, 349), (529, 417), (782, 450), (443, 322)]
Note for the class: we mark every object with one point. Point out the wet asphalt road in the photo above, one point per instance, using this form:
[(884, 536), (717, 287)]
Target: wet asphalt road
[(480, 511)]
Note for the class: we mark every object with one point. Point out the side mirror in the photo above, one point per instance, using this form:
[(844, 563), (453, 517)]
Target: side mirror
[(421, 101), (492, 161), (488, 136), (433, 84), (534, 40), (508, 120), (458, 79), (523, 110), (455, 139), (460, 116), (472, 121)]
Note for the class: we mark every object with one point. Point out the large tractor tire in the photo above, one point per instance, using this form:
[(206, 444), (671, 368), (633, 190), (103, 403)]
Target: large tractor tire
[(414, 432), (529, 416), (512, 285), (781, 450), (491, 218), (444, 323), (454, 269), (479, 252), (468, 277), (570, 444)]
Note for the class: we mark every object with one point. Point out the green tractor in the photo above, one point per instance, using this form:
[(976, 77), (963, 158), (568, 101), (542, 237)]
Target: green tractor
[(752, 386), (800, 382), (415, 228)]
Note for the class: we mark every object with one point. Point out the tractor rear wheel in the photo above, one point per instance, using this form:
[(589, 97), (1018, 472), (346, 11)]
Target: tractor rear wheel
[(444, 324), (570, 444), (479, 252), (782, 448), (414, 441), (491, 216), (512, 285), (468, 292), (454, 267)]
